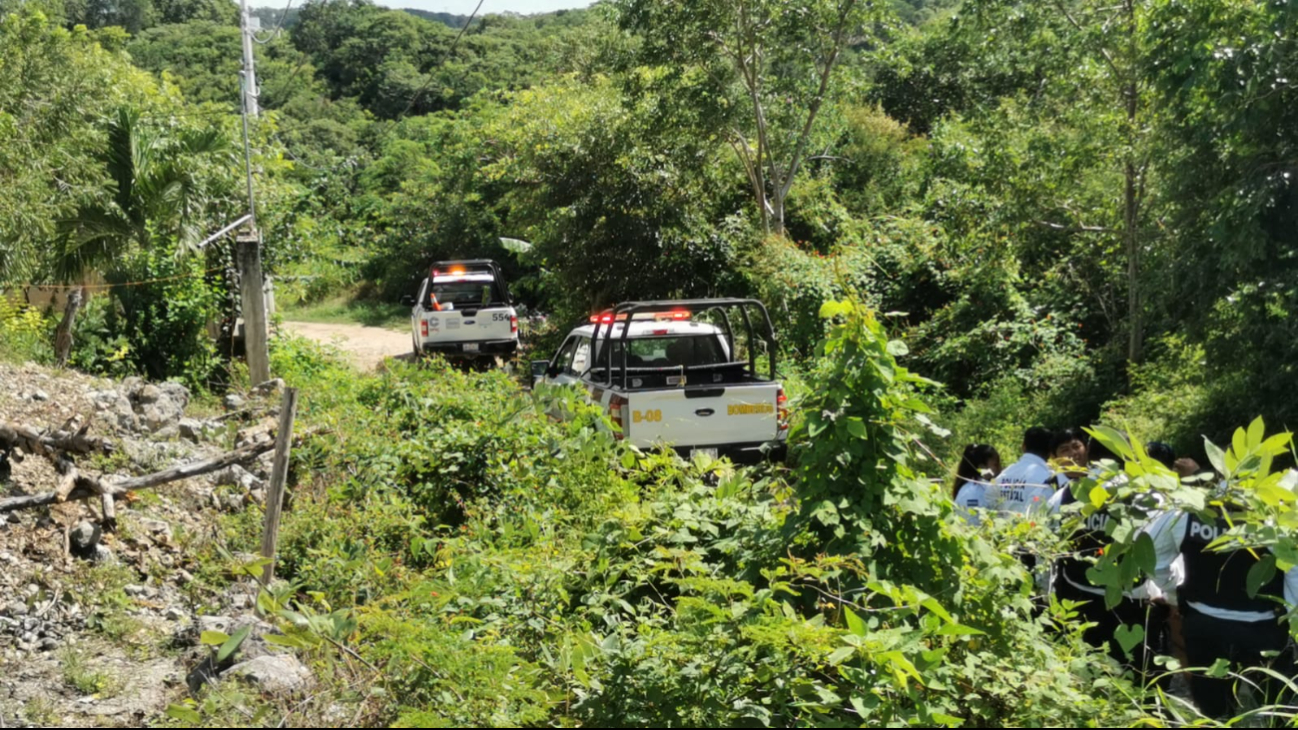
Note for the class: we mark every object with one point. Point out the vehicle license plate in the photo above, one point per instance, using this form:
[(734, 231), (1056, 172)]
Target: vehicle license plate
[(470, 347)]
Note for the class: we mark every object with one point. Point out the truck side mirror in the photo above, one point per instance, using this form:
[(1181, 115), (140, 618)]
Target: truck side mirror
[(408, 300), (540, 369)]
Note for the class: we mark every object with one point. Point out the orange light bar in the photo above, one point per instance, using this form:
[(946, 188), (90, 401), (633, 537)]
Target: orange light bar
[(607, 318), (457, 271)]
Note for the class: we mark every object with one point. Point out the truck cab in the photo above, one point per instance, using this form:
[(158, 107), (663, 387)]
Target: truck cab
[(464, 310), (680, 374)]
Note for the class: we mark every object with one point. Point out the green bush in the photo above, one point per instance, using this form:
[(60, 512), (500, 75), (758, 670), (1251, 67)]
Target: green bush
[(24, 334), (154, 321), (507, 568)]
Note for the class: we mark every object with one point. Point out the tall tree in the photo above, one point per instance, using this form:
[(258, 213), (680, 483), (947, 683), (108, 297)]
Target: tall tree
[(160, 188), (1107, 44), (1114, 32), (776, 59)]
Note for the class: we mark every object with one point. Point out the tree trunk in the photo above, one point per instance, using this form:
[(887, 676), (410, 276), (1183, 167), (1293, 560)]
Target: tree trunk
[(777, 213), (1131, 196), (63, 334), (1136, 344)]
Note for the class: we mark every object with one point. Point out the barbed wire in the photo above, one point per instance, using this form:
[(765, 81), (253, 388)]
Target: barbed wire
[(142, 282)]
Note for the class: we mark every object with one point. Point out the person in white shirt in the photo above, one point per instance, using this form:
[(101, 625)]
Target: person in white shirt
[(1218, 618), (978, 466), (1028, 484)]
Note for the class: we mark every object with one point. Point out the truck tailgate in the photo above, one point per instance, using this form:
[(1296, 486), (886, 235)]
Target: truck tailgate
[(702, 416), (456, 326)]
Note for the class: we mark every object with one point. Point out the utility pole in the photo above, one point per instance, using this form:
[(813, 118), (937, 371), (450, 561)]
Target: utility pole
[(250, 89), (248, 243)]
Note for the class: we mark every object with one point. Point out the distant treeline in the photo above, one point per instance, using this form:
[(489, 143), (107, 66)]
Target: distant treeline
[(270, 16)]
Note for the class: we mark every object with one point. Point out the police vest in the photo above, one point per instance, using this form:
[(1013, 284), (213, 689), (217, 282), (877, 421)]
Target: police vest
[(1220, 579)]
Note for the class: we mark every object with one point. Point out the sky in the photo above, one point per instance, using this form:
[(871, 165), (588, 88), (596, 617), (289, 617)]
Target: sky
[(464, 7)]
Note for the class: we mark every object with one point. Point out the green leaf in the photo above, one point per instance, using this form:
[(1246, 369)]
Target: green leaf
[(832, 309), (958, 630), (1277, 444), (1256, 433), (854, 623), (840, 655), (232, 644), (1273, 495), (1216, 456), (856, 427), (1114, 440), (897, 348), (1129, 637), (1239, 444), (1144, 553), (1262, 572), (214, 638), (917, 405), (1098, 496), (947, 720), (184, 714), (931, 604)]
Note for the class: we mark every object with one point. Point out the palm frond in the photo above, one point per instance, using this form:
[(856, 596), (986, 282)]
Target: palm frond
[(89, 240)]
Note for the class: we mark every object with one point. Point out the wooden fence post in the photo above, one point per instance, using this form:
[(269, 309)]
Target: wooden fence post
[(278, 478)]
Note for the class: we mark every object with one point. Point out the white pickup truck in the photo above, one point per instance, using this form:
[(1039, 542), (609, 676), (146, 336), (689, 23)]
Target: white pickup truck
[(673, 373), (464, 311)]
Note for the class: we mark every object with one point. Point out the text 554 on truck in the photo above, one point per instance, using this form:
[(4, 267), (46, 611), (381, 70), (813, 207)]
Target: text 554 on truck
[(685, 374), (464, 310)]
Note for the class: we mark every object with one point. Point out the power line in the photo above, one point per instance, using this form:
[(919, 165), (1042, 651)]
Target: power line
[(449, 51), (190, 114), (280, 24)]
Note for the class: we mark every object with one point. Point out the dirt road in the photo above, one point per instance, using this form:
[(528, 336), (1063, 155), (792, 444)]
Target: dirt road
[(366, 346)]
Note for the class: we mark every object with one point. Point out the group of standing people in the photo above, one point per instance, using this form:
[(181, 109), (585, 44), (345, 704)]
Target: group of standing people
[(1197, 604)]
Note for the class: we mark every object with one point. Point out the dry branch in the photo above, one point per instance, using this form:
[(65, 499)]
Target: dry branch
[(86, 487), (35, 441)]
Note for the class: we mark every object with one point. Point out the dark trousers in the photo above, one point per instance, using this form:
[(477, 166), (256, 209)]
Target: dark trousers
[(1208, 639), (1152, 618)]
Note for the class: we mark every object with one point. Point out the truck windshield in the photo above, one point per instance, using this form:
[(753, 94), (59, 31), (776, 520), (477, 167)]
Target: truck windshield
[(461, 294), (670, 352)]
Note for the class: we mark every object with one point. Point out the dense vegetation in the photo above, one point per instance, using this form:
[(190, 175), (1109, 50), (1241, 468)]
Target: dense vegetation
[(1078, 210), (1070, 211)]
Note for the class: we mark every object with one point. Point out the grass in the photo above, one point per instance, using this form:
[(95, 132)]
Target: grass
[(40, 712), (78, 675), (347, 309)]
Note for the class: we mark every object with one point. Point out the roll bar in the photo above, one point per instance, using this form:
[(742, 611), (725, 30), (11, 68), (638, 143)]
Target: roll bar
[(723, 306)]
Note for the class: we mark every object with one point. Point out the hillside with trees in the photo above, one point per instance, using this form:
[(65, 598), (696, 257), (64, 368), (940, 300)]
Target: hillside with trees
[(965, 216)]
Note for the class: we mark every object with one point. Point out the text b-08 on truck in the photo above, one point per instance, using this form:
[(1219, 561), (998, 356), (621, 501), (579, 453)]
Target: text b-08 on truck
[(464, 311), (687, 374)]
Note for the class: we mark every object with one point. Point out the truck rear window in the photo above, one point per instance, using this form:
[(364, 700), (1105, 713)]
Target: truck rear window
[(462, 294), (671, 352)]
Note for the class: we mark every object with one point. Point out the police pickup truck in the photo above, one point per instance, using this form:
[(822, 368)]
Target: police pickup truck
[(464, 310), (682, 374)]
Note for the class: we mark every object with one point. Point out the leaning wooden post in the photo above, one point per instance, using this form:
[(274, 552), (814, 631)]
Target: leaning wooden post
[(278, 478)]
